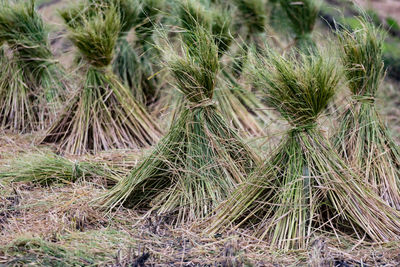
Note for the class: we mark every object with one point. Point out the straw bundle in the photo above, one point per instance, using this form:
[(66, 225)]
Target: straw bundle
[(126, 63), (33, 84), (103, 114), (253, 16), (201, 159), (250, 26), (305, 188), (134, 62), (18, 104), (302, 15), (238, 105), (362, 138)]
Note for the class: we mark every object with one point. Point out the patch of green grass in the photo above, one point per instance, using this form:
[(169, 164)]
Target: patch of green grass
[(374, 17), (36, 251), (392, 23)]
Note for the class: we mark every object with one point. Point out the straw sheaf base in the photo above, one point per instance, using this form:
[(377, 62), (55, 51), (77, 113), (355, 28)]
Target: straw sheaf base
[(307, 190), (194, 167), (16, 105), (365, 142), (102, 116), (21, 109)]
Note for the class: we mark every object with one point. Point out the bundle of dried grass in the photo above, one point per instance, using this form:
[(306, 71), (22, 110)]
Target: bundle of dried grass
[(149, 56), (19, 107), (305, 188), (126, 60), (32, 83), (254, 16), (133, 60), (103, 114), (302, 15), (362, 138), (201, 159), (238, 105)]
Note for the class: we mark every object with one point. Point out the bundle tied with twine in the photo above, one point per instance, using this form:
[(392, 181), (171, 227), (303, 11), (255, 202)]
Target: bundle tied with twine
[(302, 15), (305, 188), (238, 105), (362, 138), (103, 114), (133, 60), (201, 159), (33, 84)]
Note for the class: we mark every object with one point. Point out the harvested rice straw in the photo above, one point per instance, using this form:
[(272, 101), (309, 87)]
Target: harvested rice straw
[(149, 80), (302, 15), (305, 188), (239, 106), (47, 168), (103, 115), (18, 107), (132, 62), (36, 84), (362, 138), (201, 159)]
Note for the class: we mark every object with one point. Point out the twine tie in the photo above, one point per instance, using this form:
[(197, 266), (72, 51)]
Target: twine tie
[(202, 104), (303, 128), (365, 99)]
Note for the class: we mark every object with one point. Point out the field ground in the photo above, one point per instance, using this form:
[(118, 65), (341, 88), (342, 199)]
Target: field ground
[(58, 225)]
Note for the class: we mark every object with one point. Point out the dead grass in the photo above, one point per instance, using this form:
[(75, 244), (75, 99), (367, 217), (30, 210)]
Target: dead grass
[(56, 227), (13, 144)]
